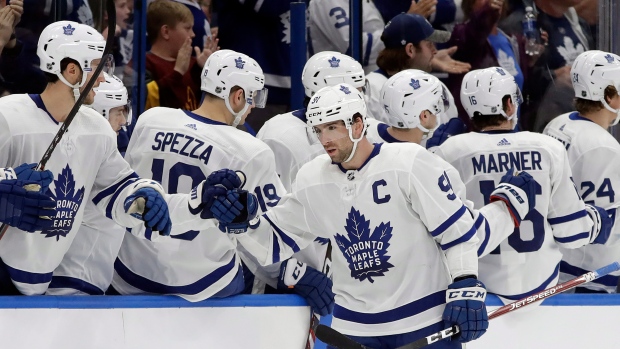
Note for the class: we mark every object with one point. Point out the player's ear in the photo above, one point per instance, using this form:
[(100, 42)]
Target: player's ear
[(410, 50)]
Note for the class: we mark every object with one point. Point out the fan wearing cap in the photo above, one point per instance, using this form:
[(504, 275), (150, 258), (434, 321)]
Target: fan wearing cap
[(482, 44), (594, 156), (409, 44)]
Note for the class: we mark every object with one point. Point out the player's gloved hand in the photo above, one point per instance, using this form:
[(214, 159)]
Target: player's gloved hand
[(465, 308), (204, 194), (453, 127), (25, 210), (602, 224), (27, 172), (155, 214), (518, 192), (235, 210), (309, 283)]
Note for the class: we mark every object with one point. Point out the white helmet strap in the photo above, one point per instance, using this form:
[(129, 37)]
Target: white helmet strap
[(238, 115), (615, 111), (355, 141), (76, 87)]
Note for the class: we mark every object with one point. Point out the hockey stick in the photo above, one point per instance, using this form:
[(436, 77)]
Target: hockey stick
[(314, 318), (340, 341), (111, 9)]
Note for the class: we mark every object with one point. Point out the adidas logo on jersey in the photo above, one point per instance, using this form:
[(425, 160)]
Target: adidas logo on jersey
[(192, 126), (504, 141)]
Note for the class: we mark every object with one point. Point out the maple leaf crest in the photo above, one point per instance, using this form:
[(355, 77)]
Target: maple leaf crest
[(507, 62), (570, 51), (365, 252), (68, 202), (285, 19)]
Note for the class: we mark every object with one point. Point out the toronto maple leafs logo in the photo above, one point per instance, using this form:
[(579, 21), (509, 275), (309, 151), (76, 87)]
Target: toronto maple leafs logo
[(415, 84), (68, 30), (68, 202), (285, 20), (334, 62), (569, 51), (365, 252), (345, 89), (609, 58), (239, 63)]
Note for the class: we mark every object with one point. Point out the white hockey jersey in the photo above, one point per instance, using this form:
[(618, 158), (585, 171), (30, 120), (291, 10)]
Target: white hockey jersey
[(180, 149), (528, 260), (87, 267), (393, 222), (86, 163), (329, 29), (594, 156)]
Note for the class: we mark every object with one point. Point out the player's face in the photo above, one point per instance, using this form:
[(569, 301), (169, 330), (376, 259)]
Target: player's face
[(118, 118), (423, 56), (99, 79), (334, 136)]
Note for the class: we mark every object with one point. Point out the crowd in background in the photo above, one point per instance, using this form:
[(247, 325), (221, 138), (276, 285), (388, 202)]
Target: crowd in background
[(484, 33)]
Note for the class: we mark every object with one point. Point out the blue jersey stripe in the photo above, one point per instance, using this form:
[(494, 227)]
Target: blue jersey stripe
[(112, 189), (567, 218), (151, 286), (543, 286), (467, 236), (402, 312), (75, 284), (285, 238), (607, 280), (27, 277), (572, 238), (445, 225), (487, 235), (276, 249)]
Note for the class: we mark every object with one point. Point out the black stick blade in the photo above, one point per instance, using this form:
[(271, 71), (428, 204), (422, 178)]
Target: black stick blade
[(336, 339)]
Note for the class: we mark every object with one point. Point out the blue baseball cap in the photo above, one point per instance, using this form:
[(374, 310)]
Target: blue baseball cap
[(411, 28)]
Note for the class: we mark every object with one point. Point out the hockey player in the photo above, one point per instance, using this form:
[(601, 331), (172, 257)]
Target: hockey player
[(88, 265), (528, 260), (84, 164), (180, 148), (594, 157), (391, 211)]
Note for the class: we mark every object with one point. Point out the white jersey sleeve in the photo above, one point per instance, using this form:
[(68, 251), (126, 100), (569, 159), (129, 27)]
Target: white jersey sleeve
[(329, 29)]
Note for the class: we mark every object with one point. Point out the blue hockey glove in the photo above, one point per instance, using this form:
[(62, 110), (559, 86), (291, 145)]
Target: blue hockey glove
[(235, 210), (518, 192), (204, 194), (309, 283), (453, 127), (155, 214), (602, 224), (27, 172), (25, 210), (465, 308)]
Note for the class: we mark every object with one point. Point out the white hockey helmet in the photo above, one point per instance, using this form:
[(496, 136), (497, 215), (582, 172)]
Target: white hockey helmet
[(592, 72), (226, 69), (482, 91), (111, 94), (409, 93), (66, 39), (335, 103), (329, 68)]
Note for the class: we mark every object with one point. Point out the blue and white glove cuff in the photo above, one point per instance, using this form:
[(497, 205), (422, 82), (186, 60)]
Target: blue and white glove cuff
[(294, 271), (515, 195), (7, 173), (146, 183), (466, 294), (195, 198), (596, 219)]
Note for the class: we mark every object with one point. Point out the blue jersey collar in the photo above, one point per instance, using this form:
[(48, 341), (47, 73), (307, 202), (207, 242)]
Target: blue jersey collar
[(203, 119), (375, 152), (576, 116), (497, 132), (382, 129), (39, 102)]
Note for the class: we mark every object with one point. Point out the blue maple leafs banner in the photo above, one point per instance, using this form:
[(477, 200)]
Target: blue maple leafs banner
[(68, 202), (365, 252)]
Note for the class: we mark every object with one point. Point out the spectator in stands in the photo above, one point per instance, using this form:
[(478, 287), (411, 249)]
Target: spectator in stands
[(201, 28), (550, 89), (172, 74), (10, 15), (482, 44), (442, 14), (409, 44)]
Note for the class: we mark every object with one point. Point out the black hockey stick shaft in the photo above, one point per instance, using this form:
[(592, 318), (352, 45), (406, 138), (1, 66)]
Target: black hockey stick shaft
[(340, 341), (314, 318), (111, 9)]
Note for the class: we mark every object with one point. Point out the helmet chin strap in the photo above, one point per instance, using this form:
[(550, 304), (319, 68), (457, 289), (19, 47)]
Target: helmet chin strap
[(238, 115), (355, 141), (76, 87), (616, 111)]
